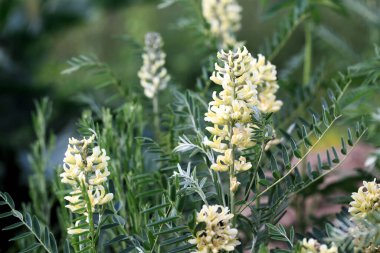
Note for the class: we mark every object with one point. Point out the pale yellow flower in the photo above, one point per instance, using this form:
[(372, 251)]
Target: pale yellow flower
[(216, 144), (313, 246), (241, 137), (264, 75), (75, 230), (231, 110), (217, 236), (85, 165), (366, 200), (224, 17), (153, 74), (217, 131), (272, 143), (223, 162), (234, 184), (242, 164)]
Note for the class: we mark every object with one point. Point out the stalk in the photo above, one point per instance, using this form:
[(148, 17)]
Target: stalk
[(232, 175), (156, 117), (308, 53), (90, 219)]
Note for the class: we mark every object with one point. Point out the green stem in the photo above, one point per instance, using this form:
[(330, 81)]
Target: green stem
[(217, 182), (255, 176), (156, 116), (221, 188), (159, 230), (90, 218), (308, 54), (232, 173), (332, 169)]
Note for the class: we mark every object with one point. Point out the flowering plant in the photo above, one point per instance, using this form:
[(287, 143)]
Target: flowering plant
[(220, 166)]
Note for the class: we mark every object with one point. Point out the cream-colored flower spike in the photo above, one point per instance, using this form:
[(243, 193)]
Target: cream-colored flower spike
[(153, 74), (366, 200), (264, 75), (313, 246), (217, 234), (231, 110), (85, 165), (224, 17)]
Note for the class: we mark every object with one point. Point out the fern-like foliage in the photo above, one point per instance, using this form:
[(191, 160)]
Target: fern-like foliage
[(278, 233), (44, 239), (274, 45), (190, 184), (39, 156), (290, 159), (368, 69), (102, 71), (352, 235)]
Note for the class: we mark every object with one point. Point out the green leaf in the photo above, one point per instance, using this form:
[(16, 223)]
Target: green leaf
[(148, 193), (285, 157), (28, 220), (46, 236), (350, 140), (181, 248), (13, 226), (53, 243), (108, 226), (162, 221), (336, 157), (154, 208), (7, 214), (9, 200), (30, 247), (151, 239), (176, 240), (118, 238), (344, 147), (171, 230), (20, 236), (264, 182), (66, 248), (36, 227)]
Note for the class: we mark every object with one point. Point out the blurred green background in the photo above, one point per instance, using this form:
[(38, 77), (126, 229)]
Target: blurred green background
[(37, 37)]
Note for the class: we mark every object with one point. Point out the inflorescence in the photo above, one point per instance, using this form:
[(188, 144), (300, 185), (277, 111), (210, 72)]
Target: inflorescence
[(366, 200), (85, 167), (216, 234), (247, 83), (153, 74), (313, 246), (223, 17)]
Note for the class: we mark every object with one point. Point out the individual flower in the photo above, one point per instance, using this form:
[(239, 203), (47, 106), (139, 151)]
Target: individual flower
[(153, 74), (85, 165), (366, 200), (224, 17), (234, 184), (313, 246), (216, 235), (264, 75)]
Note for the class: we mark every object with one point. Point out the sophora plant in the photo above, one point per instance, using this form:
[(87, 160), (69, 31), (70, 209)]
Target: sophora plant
[(222, 169)]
